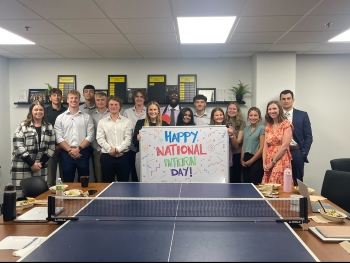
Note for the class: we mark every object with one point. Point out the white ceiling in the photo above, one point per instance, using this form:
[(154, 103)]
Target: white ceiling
[(148, 28)]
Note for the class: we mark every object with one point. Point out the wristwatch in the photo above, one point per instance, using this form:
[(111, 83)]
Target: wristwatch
[(80, 148)]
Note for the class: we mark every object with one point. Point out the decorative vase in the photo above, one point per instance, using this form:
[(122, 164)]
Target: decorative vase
[(239, 97)]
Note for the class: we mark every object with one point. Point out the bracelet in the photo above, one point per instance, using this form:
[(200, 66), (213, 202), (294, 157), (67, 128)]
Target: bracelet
[(231, 136), (272, 160)]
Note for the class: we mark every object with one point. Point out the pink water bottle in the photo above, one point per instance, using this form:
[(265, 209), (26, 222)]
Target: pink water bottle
[(287, 180)]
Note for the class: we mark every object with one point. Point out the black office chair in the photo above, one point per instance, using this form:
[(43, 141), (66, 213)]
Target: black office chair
[(335, 188), (342, 164), (33, 186)]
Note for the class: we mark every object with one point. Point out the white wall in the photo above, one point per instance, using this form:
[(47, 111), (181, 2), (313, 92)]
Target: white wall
[(321, 89), (5, 135)]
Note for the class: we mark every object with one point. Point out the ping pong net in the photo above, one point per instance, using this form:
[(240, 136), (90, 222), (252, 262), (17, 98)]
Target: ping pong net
[(211, 209)]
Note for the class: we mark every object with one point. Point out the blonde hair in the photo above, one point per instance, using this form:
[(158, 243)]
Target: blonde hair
[(158, 118), (257, 110), (74, 93), (237, 121)]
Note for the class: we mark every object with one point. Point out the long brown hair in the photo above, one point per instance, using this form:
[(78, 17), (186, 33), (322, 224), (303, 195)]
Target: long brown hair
[(237, 121), (212, 122), (29, 119), (158, 118), (281, 117)]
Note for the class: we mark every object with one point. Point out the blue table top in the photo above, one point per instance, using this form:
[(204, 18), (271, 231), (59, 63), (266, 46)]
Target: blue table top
[(168, 240)]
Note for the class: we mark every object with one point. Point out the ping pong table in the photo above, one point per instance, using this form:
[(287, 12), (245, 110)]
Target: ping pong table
[(167, 240)]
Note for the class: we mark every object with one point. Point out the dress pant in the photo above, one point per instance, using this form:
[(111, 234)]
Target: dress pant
[(115, 167), (97, 166), (52, 169), (236, 169), (297, 165), (70, 165), (255, 172)]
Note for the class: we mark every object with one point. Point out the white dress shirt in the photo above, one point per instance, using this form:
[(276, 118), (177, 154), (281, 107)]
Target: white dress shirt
[(290, 118)]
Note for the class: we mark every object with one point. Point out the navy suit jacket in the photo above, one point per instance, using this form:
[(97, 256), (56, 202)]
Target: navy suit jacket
[(302, 133)]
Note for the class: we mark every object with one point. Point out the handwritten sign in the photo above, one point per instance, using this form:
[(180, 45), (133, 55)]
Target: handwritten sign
[(184, 154)]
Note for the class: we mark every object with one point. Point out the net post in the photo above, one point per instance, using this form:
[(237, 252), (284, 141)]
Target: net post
[(51, 212), (303, 204)]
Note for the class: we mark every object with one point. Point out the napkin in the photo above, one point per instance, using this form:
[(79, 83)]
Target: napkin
[(345, 245), (26, 250), (315, 198), (319, 219)]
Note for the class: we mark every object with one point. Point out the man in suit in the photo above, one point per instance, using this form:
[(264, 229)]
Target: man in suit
[(173, 108), (302, 134)]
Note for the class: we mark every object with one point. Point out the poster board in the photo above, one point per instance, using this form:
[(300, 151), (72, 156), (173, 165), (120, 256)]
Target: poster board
[(184, 154)]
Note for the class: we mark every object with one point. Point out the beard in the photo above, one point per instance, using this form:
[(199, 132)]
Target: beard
[(173, 103)]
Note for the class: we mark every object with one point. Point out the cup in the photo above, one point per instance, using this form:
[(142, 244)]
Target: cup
[(294, 204), (84, 180)]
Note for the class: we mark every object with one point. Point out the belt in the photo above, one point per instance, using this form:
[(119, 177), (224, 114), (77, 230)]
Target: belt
[(73, 147), (294, 147)]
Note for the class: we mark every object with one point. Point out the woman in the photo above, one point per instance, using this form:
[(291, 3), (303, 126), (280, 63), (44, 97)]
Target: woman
[(253, 143), (153, 118), (233, 117), (138, 112), (33, 145), (278, 134), (217, 117), (185, 117)]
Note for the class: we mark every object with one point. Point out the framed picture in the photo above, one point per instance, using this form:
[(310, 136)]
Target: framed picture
[(37, 94), (210, 93), (102, 90)]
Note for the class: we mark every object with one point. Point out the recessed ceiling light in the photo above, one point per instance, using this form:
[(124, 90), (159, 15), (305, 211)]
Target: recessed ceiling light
[(204, 29), (343, 37), (8, 38)]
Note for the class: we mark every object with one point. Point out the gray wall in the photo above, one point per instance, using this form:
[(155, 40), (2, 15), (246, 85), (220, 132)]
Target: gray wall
[(321, 89)]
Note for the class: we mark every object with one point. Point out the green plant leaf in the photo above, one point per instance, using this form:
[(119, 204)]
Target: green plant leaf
[(240, 89)]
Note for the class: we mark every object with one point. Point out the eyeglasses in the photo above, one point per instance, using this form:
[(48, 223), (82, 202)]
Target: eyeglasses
[(174, 95)]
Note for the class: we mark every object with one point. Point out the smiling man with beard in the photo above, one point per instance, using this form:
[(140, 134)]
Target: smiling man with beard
[(173, 108)]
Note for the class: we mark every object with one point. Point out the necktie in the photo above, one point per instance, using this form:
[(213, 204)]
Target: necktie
[(172, 118), (287, 114)]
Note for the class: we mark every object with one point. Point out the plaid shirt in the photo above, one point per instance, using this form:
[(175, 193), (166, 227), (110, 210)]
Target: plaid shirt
[(26, 142)]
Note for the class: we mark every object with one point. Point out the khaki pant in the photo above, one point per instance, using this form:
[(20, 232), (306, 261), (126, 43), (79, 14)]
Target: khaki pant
[(97, 166)]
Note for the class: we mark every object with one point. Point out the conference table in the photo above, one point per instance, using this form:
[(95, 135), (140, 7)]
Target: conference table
[(88, 239)]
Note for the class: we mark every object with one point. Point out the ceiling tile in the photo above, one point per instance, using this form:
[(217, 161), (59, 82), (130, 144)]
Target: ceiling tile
[(115, 51), (293, 47), (86, 26), (231, 54), (12, 55), (201, 55), (35, 27), (278, 7), (150, 39), (257, 37), (53, 39), (101, 39), (25, 48), (193, 48), (64, 9), (52, 55), (311, 37), (10, 9), (318, 23), (135, 8), (246, 47), (147, 25), (73, 51), (332, 7), (266, 23), (333, 47)]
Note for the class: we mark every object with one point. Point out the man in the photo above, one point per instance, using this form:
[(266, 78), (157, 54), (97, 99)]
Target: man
[(89, 94), (89, 107), (74, 132), (134, 114), (302, 134), (98, 114), (172, 110), (201, 117), (114, 136), (52, 111)]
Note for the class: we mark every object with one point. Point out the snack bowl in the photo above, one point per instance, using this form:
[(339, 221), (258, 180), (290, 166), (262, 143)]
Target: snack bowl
[(332, 215), (53, 188)]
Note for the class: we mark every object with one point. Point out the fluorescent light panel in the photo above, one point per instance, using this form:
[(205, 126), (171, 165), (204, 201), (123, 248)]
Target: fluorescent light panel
[(194, 30), (8, 38), (343, 37)]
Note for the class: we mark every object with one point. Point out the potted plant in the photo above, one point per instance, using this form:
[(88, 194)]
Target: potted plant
[(47, 92), (240, 90)]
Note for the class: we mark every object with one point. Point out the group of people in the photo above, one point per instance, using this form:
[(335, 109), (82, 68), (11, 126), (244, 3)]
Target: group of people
[(96, 129)]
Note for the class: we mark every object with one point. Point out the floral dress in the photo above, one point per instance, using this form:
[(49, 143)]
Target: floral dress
[(274, 141)]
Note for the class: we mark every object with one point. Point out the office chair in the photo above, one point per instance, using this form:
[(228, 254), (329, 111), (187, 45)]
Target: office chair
[(342, 164), (33, 186), (335, 188)]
